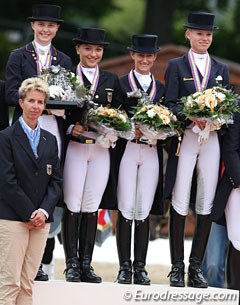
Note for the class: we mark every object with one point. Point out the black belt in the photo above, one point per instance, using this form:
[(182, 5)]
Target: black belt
[(137, 141), (82, 140)]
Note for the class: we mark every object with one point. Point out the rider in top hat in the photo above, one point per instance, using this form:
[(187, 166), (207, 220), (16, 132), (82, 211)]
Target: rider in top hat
[(195, 71), (28, 61), (140, 172), (87, 165)]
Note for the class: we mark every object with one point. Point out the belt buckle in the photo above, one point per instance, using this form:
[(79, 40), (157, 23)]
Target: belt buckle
[(89, 141)]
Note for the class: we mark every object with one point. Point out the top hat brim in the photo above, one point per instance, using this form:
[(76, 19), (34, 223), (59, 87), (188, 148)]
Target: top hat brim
[(201, 27), (101, 43), (143, 50), (45, 19)]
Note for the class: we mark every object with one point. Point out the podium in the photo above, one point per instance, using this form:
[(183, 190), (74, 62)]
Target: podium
[(57, 292)]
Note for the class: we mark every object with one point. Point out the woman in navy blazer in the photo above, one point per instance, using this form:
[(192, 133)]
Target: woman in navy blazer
[(192, 72), (87, 169), (28, 61), (30, 187), (140, 179)]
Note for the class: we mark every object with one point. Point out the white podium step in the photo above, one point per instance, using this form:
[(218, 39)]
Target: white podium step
[(58, 292)]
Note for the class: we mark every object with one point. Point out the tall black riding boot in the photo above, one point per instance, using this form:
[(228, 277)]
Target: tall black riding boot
[(87, 233), (70, 224), (199, 244), (141, 239), (233, 267), (123, 238), (176, 239)]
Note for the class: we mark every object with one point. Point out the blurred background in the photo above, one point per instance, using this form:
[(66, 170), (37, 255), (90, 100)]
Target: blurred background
[(121, 19)]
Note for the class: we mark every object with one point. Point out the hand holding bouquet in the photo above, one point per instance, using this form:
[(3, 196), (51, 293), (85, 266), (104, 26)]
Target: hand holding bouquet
[(156, 122), (216, 106), (110, 123)]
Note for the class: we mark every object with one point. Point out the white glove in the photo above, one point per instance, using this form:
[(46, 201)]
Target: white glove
[(67, 94), (56, 92), (203, 135), (107, 141)]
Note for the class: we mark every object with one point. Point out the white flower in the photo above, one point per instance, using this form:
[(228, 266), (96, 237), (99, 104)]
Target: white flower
[(219, 78), (122, 117), (151, 113), (220, 96)]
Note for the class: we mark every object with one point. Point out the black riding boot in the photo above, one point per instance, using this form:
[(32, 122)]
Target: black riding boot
[(199, 244), (123, 238), (176, 230), (88, 228), (233, 267), (141, 239), (70, 224)]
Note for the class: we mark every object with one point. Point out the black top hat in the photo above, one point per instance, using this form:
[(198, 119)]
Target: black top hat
[(201, 21), (90, 36), (144, 43), (45, 12)]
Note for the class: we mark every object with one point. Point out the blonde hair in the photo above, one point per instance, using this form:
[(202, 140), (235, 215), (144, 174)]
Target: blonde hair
[(33, 83)]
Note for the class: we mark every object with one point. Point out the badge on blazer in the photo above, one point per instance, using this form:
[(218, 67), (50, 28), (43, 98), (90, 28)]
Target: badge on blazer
[(109, 94), (49, 169), (187, 78)]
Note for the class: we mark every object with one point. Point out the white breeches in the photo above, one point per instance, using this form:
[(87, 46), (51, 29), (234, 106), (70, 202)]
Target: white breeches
[(138, 179), (49, 123), (232, 218), (85, 176), (206, 158)]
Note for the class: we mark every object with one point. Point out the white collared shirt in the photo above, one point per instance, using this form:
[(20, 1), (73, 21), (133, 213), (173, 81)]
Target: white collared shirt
[(42, 52), (143, 79), (89, 73), (200, 61)]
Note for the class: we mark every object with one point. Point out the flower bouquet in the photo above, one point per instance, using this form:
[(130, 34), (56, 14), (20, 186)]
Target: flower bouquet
[(156, 122), (216, 106), (110, 123)]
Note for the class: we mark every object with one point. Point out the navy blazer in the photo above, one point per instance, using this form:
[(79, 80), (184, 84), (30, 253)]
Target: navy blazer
[(22, 65), (231, 176), (27, 183), (4, 115), (178, 83)]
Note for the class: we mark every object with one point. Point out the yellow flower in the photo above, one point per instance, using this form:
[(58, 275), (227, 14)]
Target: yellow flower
[(165, 119)]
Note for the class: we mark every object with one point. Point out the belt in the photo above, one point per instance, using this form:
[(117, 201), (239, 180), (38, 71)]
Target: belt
[(137, 141), (83, 140)]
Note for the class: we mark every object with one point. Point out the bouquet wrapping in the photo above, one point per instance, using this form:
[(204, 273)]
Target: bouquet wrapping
[(110, 123), (215, 106)]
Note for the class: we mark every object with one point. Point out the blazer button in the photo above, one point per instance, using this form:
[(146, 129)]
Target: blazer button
[(36, 174)]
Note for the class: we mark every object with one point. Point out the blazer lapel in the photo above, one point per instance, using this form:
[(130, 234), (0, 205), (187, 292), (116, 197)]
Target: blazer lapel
[(212, 78), (31, 56), (23, 141), (43, 142)]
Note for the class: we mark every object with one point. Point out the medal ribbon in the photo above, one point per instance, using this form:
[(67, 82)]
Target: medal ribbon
[(199, 85), (47, 63), (134, 86), (95, 81)]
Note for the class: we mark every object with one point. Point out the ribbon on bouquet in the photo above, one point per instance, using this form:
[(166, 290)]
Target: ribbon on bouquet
[(203, 134)]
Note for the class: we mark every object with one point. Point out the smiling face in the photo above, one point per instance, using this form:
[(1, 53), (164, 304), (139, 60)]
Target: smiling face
[(90, 54), (200, 40), (143, 62), (44, 31), (32, 105)]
